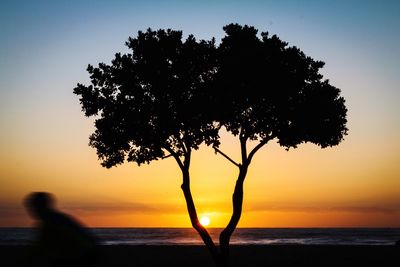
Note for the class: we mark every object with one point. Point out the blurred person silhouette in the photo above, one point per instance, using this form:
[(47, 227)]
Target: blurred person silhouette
[(61, 240)]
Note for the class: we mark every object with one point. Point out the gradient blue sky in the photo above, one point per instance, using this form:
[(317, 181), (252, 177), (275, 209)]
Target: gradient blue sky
[(45, 47)]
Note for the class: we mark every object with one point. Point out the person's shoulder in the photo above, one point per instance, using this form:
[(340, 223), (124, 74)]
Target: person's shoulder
[(62, 219)]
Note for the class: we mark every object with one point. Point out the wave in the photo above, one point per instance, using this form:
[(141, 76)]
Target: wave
[(242, 236)]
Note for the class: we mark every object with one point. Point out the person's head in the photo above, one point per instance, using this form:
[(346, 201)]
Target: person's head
[(39, 204)]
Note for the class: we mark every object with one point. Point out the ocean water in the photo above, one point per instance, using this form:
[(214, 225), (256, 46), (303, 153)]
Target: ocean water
[(242, 236)]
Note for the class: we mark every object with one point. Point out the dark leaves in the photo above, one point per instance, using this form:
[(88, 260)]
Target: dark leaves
[(267, 88), (152, 98), (176, 94)]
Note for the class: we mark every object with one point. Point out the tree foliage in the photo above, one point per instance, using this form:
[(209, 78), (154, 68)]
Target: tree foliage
[(174, 93), (267, 90), (152, 99)]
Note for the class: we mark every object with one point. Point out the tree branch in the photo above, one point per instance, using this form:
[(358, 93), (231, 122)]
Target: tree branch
[(226, 156), (243, 149), (167, 156), (256, 148), (176, 156), (186, 161), (183, 145)]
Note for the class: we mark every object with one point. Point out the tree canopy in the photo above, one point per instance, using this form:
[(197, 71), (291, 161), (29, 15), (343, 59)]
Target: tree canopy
[(151, 100), (174, 94), (267, 90)]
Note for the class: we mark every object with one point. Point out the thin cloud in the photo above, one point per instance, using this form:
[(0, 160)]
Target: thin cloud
[(325, 208), (10, 210), (367, 209), (13, 210), (125, 207)]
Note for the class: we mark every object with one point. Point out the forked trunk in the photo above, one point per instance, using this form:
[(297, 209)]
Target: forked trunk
[(221, 256)]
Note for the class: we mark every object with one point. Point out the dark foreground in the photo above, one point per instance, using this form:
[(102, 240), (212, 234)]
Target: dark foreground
[(151, 256)]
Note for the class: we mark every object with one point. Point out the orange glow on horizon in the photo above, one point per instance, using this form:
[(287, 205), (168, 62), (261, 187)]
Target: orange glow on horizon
[(305, 187)]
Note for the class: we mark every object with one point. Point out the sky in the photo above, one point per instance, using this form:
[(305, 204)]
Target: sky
[(45, 47)]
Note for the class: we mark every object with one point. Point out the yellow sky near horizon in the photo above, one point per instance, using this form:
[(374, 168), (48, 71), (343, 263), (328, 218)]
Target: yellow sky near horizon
[(303, 187)]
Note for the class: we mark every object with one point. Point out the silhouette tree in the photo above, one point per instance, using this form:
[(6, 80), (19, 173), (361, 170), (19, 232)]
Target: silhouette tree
[(169, 96)]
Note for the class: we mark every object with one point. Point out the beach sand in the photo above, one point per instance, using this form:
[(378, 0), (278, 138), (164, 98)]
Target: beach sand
[(196, 256)]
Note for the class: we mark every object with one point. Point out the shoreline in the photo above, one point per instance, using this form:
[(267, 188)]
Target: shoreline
[(241, 255)]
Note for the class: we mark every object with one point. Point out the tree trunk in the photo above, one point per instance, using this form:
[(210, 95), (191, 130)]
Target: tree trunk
[(221, 256), (205, 236), (237, 201)]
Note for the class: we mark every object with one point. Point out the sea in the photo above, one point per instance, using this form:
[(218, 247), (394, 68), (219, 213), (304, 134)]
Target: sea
[(241, 236)]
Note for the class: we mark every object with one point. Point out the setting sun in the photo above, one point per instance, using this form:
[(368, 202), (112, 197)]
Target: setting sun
[(205, 221)]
